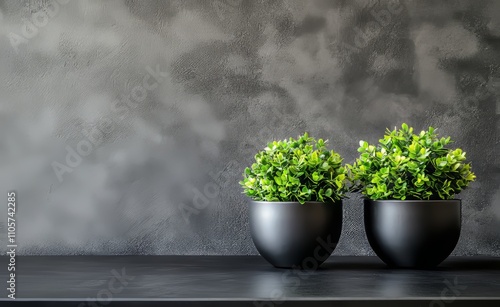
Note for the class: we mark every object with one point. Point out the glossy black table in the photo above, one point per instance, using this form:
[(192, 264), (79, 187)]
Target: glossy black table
[(247, 281)]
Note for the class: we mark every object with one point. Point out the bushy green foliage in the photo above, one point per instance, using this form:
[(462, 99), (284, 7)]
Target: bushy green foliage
[(300, 170), (405, 165)]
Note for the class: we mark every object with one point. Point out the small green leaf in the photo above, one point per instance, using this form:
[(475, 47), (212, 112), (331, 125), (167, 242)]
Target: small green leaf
[(315, 176)]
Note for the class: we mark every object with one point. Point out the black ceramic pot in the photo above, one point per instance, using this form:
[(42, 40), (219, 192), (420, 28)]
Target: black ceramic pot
[(413, 233), (290, 234)]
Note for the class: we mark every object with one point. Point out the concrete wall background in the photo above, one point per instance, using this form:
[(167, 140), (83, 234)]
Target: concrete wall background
[(213, 81)]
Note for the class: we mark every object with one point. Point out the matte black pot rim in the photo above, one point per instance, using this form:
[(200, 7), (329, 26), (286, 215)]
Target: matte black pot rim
[(289, 203), (408, 201)]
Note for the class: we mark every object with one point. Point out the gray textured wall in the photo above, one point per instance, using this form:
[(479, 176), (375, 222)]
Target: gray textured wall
[(167, 101)]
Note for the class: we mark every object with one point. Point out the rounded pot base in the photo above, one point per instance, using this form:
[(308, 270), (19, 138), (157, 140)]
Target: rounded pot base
[(412, 233), (293, 235)]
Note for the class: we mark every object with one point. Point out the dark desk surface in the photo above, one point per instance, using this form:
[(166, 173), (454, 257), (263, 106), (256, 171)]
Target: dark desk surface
[(248, 280)]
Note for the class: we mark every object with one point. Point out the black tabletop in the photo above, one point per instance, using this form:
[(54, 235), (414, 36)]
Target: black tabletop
[(247, 280)]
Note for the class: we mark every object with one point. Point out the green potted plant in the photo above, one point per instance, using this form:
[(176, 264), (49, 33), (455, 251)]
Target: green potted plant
[(409, 182), (296, 187)]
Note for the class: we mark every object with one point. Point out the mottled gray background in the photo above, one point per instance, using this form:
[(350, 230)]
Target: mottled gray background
[(162, 176)]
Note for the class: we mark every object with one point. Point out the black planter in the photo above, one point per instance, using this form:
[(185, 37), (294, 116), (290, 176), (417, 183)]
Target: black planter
[(288, 234), (413, 233)]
